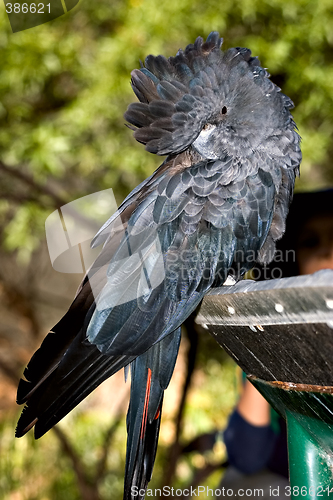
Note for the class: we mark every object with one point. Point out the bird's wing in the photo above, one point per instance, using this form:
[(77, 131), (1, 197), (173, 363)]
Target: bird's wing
[(179, 238), (283, 198), (69, 334), (54, 346)]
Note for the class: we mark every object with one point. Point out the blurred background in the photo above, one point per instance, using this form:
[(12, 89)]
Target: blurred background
[(64, 87)]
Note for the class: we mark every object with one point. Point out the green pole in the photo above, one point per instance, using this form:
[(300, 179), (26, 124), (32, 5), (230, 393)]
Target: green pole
[(309, 469), (308, 411)]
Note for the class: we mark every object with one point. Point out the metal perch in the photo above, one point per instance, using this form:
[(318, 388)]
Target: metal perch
[(280, 332)]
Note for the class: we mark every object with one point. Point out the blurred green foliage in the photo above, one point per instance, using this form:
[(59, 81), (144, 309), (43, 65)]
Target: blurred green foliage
[(40, 470), (64, 87)]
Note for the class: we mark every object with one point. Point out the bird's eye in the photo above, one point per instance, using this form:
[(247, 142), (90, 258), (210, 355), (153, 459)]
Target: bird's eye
[(224, 110)]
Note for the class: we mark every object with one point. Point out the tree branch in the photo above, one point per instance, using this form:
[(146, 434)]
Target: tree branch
[(29, 180), (201, 475), (88, 492), (101, 465)]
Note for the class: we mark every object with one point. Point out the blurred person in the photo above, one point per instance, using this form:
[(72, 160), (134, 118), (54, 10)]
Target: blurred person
[(256, 437)]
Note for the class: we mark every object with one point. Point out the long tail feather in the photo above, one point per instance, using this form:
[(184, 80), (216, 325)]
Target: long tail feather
[(151, 373)]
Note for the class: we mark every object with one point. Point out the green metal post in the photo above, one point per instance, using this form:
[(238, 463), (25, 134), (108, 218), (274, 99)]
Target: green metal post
[(308, 411), (309, 465)]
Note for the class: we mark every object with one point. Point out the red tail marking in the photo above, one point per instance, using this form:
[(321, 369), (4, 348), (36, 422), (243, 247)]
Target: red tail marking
[(157, 413), (145, 408)]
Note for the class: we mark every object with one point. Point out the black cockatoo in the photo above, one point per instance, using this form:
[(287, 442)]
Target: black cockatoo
[(216, 204)]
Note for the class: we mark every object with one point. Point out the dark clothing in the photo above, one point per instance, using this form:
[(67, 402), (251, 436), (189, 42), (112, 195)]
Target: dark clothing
[(251, 448)]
